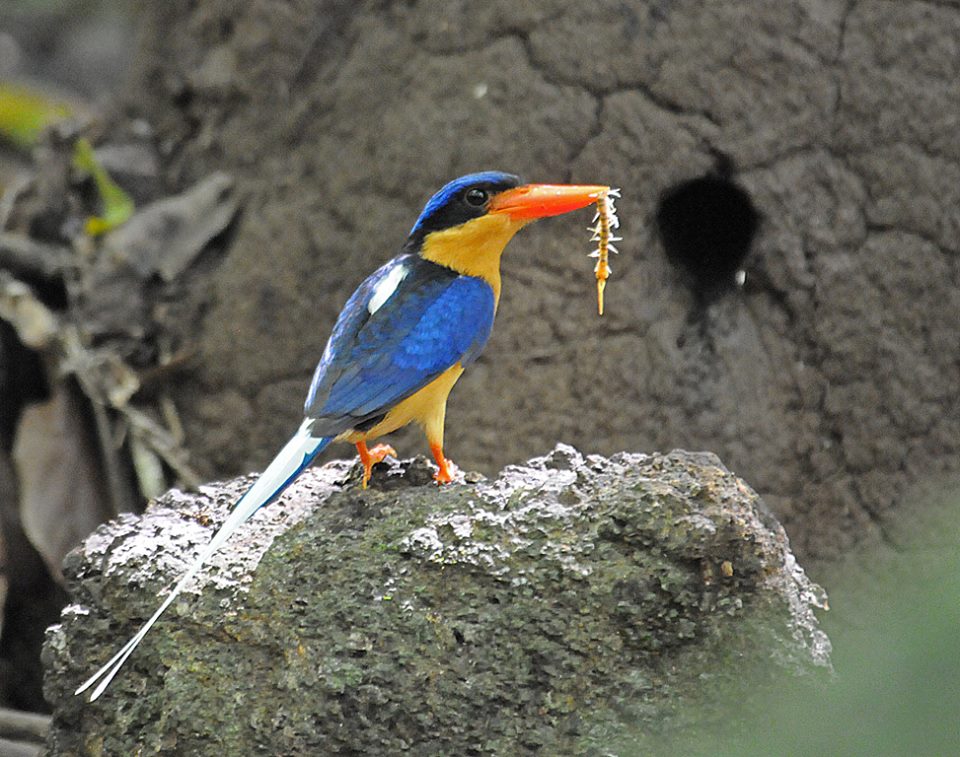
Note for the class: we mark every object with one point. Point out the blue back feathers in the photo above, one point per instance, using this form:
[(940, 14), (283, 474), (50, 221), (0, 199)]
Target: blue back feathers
[(432, 319)]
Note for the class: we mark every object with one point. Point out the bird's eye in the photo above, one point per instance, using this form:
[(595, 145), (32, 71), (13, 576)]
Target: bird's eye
[(475, 197)]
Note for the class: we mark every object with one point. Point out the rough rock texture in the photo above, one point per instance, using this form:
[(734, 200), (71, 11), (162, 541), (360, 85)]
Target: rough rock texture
[(829, 381), (568, 606)]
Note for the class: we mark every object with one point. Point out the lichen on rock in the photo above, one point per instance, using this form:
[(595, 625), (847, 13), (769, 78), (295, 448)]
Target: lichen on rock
[(573, 603)]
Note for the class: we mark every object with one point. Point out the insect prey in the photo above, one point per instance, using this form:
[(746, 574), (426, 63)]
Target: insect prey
[(605, 221)]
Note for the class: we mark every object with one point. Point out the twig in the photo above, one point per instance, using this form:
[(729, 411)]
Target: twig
[(25, 257), (15, 724)]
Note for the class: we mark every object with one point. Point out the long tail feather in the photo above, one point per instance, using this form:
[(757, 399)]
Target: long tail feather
[(298, 453)]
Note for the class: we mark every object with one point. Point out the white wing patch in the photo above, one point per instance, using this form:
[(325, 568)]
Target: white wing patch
[(386, 287)]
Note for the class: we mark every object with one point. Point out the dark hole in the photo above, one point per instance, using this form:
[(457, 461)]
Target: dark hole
[(458, 635), (707, 226)]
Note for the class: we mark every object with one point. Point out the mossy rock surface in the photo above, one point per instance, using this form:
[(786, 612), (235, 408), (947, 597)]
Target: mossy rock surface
[(573, 604)]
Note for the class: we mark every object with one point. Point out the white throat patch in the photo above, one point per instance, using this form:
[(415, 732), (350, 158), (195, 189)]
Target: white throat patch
[(386, 287)]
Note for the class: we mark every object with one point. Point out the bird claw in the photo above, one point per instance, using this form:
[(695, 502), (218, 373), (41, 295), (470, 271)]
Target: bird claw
[(371, 457), (378, 453), (447, 472)]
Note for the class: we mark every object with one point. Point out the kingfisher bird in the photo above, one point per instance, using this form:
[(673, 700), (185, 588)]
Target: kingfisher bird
[(400, 343)]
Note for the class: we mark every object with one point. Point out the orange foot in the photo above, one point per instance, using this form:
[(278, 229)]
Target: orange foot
[(447, 468), (370, 457)]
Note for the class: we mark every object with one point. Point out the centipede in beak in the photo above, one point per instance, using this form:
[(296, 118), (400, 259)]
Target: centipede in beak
[(605, 221)]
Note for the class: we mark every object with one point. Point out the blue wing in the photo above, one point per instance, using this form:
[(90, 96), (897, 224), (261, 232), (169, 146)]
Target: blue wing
[(394, 337)]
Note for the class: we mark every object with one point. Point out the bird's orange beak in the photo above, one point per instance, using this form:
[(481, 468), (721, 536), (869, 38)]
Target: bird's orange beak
[(533, 201)]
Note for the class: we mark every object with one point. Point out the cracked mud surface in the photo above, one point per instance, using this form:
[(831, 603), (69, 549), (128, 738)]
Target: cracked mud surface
[(828, 382)]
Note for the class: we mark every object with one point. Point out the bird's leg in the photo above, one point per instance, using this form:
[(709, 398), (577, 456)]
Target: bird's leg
[(447, 467), (433, 427), (370, 457)]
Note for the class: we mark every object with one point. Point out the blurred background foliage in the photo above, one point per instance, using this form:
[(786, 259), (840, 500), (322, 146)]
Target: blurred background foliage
[(57, 59), (80, 46), (60, 61)]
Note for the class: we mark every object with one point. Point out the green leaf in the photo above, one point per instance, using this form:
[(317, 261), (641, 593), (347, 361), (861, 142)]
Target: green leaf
[(24, 114), (117, 204)]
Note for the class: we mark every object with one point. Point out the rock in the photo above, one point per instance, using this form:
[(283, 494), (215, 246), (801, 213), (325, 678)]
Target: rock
[(541, 611)]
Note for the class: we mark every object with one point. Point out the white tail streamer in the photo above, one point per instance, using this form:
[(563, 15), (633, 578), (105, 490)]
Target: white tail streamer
[(296, 455)]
